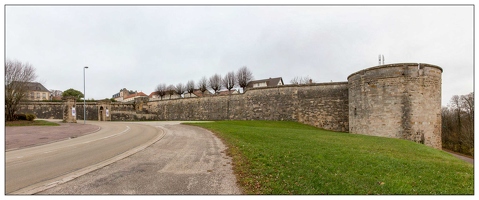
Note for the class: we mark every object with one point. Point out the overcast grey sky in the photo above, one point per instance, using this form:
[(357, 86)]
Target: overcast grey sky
[(138, 47)]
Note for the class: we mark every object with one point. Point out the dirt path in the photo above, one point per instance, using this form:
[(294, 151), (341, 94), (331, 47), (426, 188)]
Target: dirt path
[(17, 137), (463, 157)]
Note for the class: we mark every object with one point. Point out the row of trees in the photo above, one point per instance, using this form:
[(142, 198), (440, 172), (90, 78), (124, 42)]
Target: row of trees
[(301, 80), (458, 124), (215, 83)]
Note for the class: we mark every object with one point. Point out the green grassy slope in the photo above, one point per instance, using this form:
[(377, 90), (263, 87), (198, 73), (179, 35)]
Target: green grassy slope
[(293, 158)]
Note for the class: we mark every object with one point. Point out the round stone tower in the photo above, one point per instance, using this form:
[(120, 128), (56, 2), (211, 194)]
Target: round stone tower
[(400, 100)]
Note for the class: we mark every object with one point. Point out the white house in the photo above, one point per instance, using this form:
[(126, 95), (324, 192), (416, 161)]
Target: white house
[(271, 82)]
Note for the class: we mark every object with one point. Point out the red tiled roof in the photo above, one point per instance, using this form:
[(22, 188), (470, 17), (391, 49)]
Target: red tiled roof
[(226, 92), (153, 93), (198, 92), (139, 94)]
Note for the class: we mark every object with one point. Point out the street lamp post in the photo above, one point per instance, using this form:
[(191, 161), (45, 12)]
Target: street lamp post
[(84, 96)]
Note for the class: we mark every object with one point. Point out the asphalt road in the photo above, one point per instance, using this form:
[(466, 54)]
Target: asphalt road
[(34, 169), (187, 160)]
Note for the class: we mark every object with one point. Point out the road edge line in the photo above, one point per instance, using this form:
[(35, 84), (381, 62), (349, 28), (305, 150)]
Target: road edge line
[(38, 187)]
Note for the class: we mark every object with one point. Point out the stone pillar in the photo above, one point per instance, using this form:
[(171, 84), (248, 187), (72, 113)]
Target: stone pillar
[(139, 103), (69, 110)]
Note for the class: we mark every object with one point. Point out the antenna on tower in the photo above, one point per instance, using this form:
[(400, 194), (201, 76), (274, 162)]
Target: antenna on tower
[(381, 59)]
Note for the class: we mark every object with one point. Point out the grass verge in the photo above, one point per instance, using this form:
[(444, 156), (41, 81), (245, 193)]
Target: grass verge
[(30, 123), (292, 158)]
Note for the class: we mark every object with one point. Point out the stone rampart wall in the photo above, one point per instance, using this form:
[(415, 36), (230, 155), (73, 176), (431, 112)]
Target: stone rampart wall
[(54, 110), (43, 110), (397, 100), (321, 105)]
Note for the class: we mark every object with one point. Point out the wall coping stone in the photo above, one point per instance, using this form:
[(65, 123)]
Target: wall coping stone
[(395, 65), (304, 85)]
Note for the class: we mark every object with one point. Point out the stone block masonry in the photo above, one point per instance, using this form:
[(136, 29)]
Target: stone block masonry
[(43, 110), (397, 100), (322, 105), (56, 110)]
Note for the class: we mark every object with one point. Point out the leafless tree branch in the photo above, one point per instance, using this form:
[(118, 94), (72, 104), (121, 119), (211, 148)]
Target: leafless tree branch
[(180, 89), (17, 76), (215, 82), (244, 76), (203, 84), (161, 90), (190, 86), (229, 80)]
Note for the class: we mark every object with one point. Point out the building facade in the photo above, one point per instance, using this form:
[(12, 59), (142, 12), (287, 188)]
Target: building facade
[(271, 82), (37, 92)]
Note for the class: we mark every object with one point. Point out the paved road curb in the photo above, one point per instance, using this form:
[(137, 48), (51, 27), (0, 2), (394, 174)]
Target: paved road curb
[(35, 188)]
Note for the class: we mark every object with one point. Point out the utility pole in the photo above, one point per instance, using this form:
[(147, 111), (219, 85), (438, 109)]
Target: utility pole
[(84, 96)]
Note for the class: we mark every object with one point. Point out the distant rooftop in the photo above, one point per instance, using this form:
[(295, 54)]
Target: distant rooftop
[(269, 82)]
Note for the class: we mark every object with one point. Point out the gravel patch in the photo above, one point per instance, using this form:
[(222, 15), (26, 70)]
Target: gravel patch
[(17, 137)]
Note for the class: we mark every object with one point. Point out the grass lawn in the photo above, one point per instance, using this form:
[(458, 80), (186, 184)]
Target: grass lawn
[(30, 123), (292, 158)]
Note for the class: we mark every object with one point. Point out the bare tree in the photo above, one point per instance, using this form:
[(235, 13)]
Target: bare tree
[(305, 80), (190, 86), (215, 82), (203, 85), (467, 104), (295, 80), (455, 101), (180, 89), (467, 108), (244, 76), (17, 77), (161, 90), (229, 81), (171, 90), (458, 124)]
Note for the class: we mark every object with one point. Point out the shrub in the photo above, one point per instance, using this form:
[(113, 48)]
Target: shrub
[(30, 117), (20, 117)]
